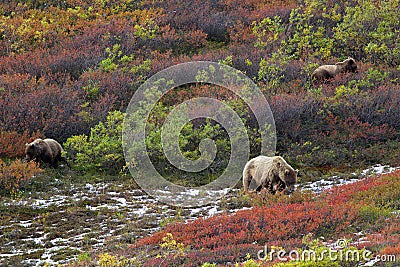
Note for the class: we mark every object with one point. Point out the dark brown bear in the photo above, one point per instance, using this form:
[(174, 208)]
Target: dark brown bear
[(329, 71), (273, 173), (46, 151)]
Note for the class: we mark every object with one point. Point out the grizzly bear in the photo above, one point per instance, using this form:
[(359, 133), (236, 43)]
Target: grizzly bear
[(329, 71), (273, 173), (47, 151)]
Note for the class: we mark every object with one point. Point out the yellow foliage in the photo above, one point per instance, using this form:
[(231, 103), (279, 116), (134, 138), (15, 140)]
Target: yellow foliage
[(12, 175), (170, 244)]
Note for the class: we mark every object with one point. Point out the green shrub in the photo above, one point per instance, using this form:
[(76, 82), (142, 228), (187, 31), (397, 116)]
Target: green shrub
[(109, 64), (101, 151), (370, 27), (370, 214)]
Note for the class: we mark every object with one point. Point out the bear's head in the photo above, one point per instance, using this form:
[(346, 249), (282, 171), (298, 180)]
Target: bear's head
[(34, 149), (290, 180), (287, 174), (348, 65)]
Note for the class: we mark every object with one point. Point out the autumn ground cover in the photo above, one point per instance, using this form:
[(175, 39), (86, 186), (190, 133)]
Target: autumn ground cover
[(364, 213), (69, 69)]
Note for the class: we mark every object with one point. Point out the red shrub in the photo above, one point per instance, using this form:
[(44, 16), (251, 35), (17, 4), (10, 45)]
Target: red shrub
[(50, 110), (12, 144), (229, 237), (392, 250), (276, 225)]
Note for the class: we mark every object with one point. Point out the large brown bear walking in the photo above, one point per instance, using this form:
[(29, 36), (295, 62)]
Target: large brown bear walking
[(329, 71), (273, 173), (46, 151)]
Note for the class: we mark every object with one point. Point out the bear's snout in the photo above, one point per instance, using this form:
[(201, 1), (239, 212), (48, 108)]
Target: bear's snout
[(289, 190), (28, 157)]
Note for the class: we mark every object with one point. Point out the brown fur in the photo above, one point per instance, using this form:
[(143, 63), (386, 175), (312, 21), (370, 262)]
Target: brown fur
[(46, 151), (329, 71), (273, 173)]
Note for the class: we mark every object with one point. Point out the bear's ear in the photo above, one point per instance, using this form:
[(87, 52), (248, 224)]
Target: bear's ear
[(287, 172), (296, 171)]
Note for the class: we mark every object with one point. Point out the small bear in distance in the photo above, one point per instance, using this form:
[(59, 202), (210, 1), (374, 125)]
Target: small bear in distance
[(329, 71), (47, 151)]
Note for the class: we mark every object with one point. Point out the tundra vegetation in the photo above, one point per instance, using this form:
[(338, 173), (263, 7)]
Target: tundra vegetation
[(69, 69)]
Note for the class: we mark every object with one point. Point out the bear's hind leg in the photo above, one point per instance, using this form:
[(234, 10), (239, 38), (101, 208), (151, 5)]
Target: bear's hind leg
[(247, 177)]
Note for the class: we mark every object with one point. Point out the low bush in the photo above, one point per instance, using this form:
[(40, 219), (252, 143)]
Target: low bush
[(101, 151), (15, 174), (337, 213), (12, 144)]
